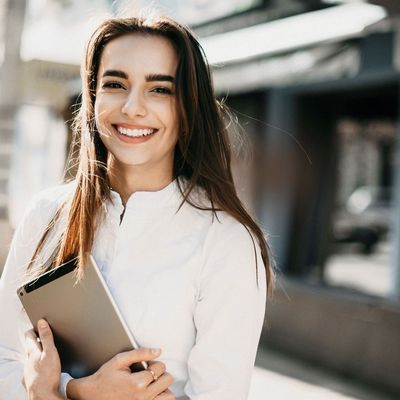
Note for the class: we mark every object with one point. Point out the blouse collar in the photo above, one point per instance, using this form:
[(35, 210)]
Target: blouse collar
[(146, 200)]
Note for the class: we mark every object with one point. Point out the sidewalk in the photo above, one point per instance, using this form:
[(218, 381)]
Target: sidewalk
[(280, 377)]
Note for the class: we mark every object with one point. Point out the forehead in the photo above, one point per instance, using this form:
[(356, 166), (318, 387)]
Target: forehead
[(139, 53)]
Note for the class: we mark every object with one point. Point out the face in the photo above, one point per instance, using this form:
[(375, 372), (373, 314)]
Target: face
[(135, 107)]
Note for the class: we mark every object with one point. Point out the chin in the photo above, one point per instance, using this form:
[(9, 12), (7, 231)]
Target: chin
[(131, 162), (130, 157)]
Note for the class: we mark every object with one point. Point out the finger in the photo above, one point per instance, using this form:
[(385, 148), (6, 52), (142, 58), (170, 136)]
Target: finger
[(146, 377), (46, 336), (32, 344), (167, 391), (166, 395), (157, 367), (161, 384), (130, 357)]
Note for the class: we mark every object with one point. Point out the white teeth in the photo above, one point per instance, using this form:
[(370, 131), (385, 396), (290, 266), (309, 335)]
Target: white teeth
[(135, 132)]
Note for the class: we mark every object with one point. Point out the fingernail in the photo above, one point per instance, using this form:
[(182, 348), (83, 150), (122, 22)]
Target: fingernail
[(42, 324), (156, 351)]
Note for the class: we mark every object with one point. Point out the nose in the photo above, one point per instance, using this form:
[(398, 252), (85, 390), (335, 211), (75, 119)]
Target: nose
[(134, 105)]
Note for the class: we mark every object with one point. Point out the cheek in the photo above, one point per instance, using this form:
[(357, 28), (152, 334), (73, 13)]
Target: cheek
[(171, 116)]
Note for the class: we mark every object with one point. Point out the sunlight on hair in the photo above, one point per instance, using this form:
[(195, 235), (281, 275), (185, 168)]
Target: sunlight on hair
[(148, 13)]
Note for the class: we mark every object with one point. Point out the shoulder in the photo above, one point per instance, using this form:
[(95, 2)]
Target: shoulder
[(227, 234), (230, 250), (52, 197), (232, 256), (222, 234), (226, 223), (221, 227), (44, 204), (30, 229)]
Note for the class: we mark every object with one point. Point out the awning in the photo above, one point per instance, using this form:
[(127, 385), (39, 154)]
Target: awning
[(327, 62), (288, 34)]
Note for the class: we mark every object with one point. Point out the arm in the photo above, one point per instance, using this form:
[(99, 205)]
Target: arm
[(229, 317), (13, 320)]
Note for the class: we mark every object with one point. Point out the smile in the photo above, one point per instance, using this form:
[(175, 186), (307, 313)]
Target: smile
[(135, 132)]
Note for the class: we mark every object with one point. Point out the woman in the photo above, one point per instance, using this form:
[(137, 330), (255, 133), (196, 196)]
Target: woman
[(154, 201)]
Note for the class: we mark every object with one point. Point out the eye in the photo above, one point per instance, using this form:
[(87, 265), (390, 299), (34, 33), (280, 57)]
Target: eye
[(112, 85), (162, 90)]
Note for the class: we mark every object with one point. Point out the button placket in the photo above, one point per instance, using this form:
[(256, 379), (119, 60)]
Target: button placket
[(110, 230)]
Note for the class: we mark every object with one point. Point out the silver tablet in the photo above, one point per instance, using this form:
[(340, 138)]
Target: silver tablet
[(87, 325)]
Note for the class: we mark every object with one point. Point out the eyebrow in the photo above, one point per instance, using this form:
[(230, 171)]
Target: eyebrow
[(149, 78), (115, 73), (159, 77)]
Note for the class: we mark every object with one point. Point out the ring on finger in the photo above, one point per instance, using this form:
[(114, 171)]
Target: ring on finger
[(153, 374)]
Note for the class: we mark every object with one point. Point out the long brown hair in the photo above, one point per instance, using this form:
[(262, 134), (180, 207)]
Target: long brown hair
[(202, 154)]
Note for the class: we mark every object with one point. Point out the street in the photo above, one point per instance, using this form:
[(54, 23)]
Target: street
[(280, 377)]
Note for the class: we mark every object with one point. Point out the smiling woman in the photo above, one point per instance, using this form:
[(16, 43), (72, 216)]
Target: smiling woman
[(155, 203)]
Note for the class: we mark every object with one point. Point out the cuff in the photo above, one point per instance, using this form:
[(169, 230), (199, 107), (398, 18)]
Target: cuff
[(65, 378)]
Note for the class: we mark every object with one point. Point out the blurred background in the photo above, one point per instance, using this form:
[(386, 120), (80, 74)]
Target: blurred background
[(315, 88)]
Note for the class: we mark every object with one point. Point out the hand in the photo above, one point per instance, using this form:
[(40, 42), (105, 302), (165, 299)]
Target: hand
[(42, 368), (114, 379)]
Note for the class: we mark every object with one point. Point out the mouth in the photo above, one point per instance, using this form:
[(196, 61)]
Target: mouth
[(135, 132)]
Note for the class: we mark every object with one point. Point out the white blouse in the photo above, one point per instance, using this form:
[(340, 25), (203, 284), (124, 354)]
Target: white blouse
[(184, 281)]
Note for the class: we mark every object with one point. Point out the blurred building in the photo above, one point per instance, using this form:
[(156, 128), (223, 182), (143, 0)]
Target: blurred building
[(315, 87)]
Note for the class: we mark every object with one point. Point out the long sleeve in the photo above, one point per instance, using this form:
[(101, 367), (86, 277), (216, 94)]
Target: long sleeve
[(228, 317), (13, 319)]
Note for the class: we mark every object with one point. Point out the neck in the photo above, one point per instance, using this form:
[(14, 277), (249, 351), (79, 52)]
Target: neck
[(127, 179)]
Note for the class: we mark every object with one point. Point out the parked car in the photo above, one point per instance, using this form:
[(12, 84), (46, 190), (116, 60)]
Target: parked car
[(365, 219)]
